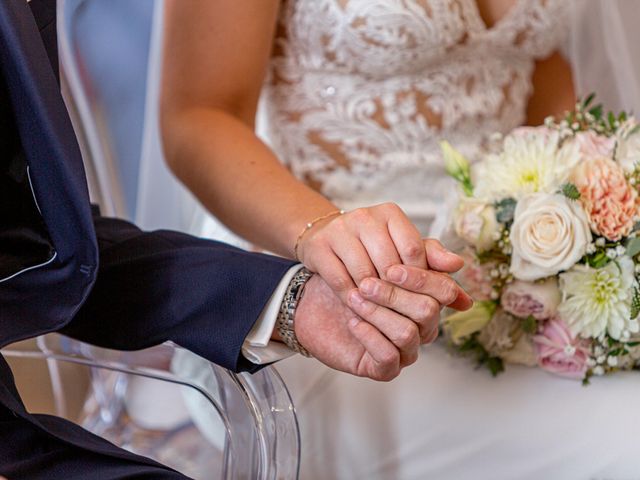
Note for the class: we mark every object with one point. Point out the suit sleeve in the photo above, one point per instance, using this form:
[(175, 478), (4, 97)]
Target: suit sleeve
[(158, 286)]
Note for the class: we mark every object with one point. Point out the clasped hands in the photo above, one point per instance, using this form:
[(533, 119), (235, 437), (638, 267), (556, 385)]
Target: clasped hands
[(378, 291)]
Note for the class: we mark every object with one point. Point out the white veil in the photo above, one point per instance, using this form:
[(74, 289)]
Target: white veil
[(603, 49)]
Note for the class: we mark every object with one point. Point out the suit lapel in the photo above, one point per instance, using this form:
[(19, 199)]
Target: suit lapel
[(46, 134)]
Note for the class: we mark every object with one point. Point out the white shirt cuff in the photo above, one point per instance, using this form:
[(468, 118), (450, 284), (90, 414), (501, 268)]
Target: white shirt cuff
[(258, 347)]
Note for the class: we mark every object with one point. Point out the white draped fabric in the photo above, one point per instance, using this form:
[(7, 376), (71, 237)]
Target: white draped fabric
[(604, 50), (440, 419)]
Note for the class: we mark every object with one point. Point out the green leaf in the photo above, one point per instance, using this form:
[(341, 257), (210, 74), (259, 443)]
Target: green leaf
[(598, 260), (530, 324), (468, 345), (570, 191), (635, 304), (633, 344), (472, 347), (505, 210), (587, 101), (612, 119), (597, 112), (495, 365), (632, 247)]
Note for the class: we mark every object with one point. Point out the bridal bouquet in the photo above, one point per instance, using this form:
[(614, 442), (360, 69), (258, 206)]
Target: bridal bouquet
[(550, 223)]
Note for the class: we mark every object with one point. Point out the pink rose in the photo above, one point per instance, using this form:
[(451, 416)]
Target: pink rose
[(539, 300), (525, 132), (610, 202), (475, 278), (561, 352), (592, 145)]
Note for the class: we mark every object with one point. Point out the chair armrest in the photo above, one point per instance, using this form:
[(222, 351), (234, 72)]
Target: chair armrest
[(261, 429)]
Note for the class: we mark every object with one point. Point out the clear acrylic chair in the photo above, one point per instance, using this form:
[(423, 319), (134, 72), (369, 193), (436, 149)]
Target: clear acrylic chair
[(219, 424), (246, 427)]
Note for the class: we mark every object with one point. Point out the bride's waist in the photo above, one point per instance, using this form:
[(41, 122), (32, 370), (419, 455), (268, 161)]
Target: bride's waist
[(421, 191)]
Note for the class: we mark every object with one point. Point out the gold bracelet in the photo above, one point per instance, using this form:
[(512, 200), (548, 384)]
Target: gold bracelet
[(309, 226)]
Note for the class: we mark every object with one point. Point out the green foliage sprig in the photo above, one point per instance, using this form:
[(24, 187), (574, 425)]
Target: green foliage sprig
[(570, 191), (473, 348), (505, 210), (590, 116)]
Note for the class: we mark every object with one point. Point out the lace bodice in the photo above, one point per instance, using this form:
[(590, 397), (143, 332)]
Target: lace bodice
[(360, 92)]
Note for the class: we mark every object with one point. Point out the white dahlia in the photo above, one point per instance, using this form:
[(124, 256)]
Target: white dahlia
[(598, 301), (531, 161)]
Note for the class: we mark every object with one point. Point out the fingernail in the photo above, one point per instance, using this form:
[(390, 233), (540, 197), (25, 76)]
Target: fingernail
[(397, 274), (353, 323), (368, 287), (456, 256), (356, 299)]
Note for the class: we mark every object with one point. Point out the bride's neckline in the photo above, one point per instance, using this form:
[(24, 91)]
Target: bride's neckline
[(499, 22)]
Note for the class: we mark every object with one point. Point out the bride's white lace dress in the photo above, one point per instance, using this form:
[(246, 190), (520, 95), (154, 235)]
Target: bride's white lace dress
[(361, 91), (358, 96)]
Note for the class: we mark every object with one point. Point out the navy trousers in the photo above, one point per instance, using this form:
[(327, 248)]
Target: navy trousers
[(29, 452)]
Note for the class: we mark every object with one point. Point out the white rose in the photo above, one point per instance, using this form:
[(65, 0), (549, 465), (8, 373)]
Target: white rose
[(475, 222), (628, 149), (550, 233)]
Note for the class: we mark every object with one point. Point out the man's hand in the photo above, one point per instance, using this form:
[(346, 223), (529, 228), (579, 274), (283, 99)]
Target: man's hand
[(337, 337), (373, 341)]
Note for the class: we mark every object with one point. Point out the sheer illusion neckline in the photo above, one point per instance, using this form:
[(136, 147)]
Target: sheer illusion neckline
[(499, 22), (360, 92)]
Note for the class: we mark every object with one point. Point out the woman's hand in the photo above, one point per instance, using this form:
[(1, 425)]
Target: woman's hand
[(375, 261), (365, 243)]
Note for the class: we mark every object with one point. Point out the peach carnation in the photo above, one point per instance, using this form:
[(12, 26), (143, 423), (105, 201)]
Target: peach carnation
[(610, 202)]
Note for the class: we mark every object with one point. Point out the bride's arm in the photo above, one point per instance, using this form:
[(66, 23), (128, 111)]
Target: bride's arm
[(553, 92), (216, 55)]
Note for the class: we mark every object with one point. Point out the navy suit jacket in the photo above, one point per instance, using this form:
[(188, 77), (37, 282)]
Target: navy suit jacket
[(64, 268)]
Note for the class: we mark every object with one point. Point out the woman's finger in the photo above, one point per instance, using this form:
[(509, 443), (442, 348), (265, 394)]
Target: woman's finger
[(441, 259), (370, 226), (355, 258), (332, 270), (407, 240)]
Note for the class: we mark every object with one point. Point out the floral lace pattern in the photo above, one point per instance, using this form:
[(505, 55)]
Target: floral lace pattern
[(360, 92)]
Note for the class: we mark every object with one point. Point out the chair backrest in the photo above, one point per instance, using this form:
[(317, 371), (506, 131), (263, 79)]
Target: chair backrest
[(88, 115), (259, 433)]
